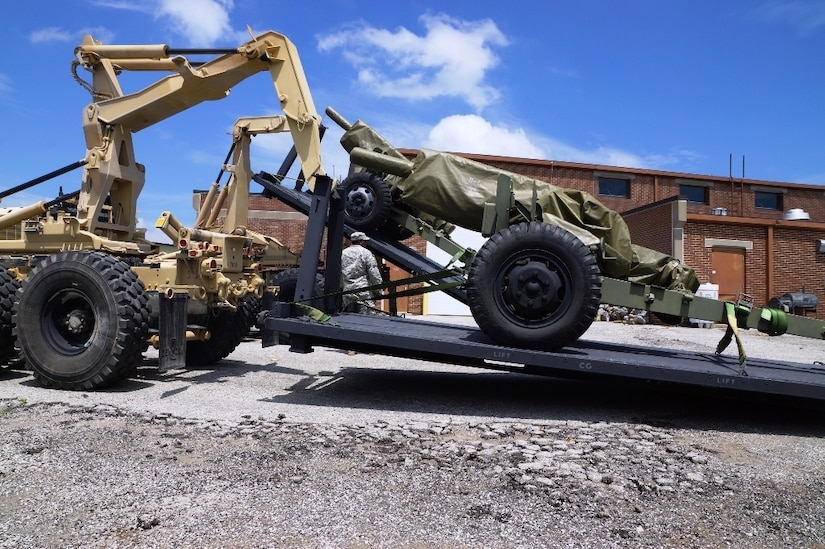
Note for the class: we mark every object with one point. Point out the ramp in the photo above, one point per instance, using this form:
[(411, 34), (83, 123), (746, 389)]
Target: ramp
[(468, 346)]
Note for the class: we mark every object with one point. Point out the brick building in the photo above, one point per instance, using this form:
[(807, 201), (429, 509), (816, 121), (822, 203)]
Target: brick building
[(744, 235), (760, 238)]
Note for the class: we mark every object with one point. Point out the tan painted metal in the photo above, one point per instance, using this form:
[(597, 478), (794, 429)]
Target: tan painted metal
[(214, 264)]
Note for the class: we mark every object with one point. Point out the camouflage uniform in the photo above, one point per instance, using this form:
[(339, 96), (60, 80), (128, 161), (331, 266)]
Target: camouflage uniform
[(359, 269)]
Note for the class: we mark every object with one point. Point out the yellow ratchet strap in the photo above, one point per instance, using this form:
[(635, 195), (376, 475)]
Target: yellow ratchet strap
[(731, 319)]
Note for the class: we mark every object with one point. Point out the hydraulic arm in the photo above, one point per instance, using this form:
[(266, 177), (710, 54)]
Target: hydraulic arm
[(112, 179)]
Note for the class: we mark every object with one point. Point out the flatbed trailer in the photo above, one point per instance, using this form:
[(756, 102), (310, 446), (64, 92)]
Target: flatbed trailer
[(469, 346)]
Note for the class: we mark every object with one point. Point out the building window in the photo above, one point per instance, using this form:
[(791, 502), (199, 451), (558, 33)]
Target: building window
[(767, 200), (695, 194), (614, 186)]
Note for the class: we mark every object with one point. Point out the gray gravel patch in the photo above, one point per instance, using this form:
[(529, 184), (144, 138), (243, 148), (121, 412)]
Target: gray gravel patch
[(274, 449)]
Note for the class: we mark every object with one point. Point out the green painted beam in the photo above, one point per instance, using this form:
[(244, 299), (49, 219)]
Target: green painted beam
[(670, 302)]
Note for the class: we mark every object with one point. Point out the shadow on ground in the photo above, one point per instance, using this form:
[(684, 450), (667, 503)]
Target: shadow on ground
[(512, 395), (485, 393)]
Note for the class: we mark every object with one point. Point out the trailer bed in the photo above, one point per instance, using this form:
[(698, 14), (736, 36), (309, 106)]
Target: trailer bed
[(468, 346)]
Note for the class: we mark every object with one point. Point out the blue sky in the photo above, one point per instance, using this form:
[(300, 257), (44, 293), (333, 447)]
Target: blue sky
[(678, 85)]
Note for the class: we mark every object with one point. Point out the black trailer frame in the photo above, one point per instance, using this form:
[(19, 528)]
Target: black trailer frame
[(469, 346)]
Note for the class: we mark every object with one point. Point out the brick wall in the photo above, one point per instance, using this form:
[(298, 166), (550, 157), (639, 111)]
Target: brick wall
[(798, 264), (699, 254), (651, 226)]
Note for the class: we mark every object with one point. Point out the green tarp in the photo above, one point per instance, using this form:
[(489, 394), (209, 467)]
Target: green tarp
[(449, 188)]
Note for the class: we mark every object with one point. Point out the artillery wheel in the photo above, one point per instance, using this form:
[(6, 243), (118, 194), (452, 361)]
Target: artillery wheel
[(227, 329), (534, 285), (81, 320), (367, 201), (8, 293)]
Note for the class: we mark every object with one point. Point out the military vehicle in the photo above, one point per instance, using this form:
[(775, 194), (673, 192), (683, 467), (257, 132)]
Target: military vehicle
[(82, 292)]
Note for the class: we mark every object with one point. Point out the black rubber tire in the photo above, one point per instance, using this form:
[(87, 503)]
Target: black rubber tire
[(8, 294), (367, 201), (108, 310), (534, 285), (287, 281), (252, 305), (227, 329)]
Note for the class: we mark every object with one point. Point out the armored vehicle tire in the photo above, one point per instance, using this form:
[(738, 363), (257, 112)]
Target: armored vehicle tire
[(253, 309), (81, 320), (8, 293), (367, 201), (534, 285), (227, 329)]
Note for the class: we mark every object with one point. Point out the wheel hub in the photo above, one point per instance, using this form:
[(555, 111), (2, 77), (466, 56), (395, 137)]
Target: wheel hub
[(533, 289), (77, 321), (68, 321), (360, 202)]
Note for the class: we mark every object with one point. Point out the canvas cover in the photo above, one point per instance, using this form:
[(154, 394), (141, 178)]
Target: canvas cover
[(455, 189)]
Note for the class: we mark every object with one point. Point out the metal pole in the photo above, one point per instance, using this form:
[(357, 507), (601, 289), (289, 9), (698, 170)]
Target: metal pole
[(42, 178)]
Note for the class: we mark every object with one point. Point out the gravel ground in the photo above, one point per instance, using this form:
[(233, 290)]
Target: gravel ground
[(274, 449)]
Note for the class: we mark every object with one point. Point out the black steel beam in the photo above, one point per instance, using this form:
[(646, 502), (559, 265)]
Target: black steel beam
[(393, 251)]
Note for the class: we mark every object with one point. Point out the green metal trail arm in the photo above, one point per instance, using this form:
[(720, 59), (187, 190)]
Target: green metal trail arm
[(661, 300)]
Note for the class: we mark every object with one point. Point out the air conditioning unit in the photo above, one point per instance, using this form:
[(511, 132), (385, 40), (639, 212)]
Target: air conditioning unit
[(796, 214)]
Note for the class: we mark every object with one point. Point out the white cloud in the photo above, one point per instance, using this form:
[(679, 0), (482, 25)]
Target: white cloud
[(200, 22), (5, 83), (51, 34), (807, 16), (451, 59), (474, 134), (57, 34)]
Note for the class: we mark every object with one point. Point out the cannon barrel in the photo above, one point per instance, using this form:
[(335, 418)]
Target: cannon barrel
[(338, 119), (170, 225), (19, 214), (187, 234), (381, 162)]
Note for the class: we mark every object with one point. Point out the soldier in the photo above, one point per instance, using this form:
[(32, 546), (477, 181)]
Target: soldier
[(359, 269)]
